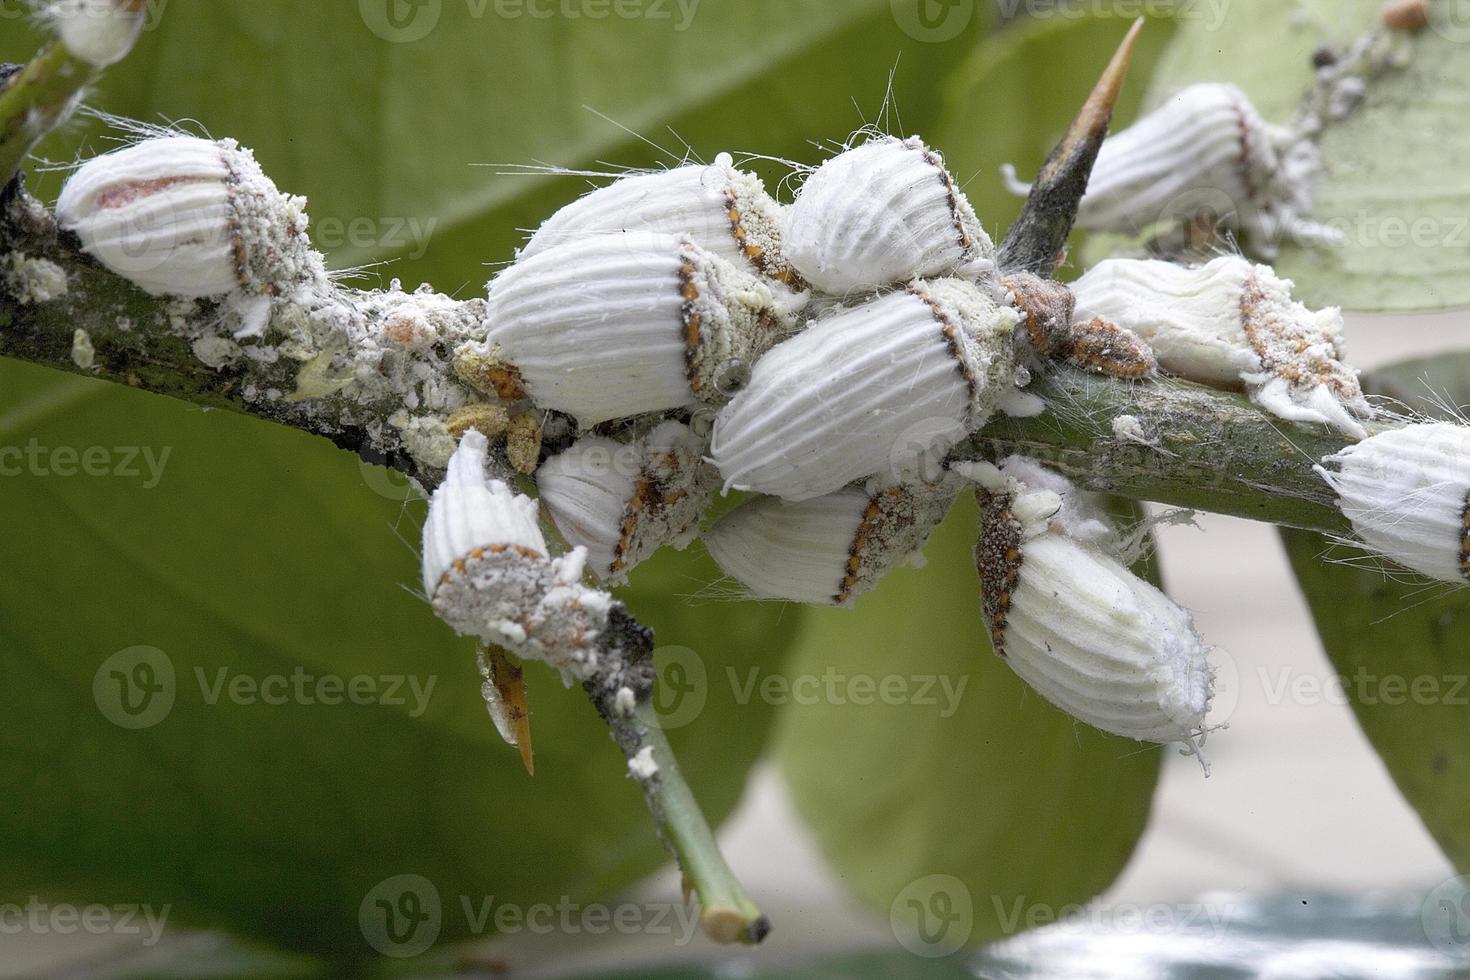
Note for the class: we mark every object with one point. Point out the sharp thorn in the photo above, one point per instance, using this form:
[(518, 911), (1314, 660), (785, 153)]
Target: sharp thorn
[(1037, 241)]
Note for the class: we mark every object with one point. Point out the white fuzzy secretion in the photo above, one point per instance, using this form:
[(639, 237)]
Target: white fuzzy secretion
[(830, 549), (99, 32), (717, 206), (1407, 493), (643, 766), (617, 325), (1232, 321), (886, 211), (622, 501), (1205, 151), (887, 387), (1071, 619), (35, 280), (488, 573), (183, 216)]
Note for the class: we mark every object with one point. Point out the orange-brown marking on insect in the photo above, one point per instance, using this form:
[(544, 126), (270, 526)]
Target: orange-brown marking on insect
[(932, 158), (756, 254), (998, 559), (689, 292), (1283, 349), (1045, 305), (1465, 539), (238, 252), (951, 333), (479, 554), (651, 497), (1107, 348), (119, 197), (884, 508)]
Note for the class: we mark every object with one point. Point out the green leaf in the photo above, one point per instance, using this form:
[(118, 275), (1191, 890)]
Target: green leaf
[(1395, 182), (253, 553), (389, 141), (1398, 645), (1010, 103), (261, 552), (960, 796)]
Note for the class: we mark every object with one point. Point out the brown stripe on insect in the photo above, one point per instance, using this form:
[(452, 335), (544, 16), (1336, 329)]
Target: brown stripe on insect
[(238, 252), (998, 560), (755, 253), (1465, 539), (951, 333), (651, 497), (883, 510), (1106, 348), (689, 292), (932, 158), (479, 554)]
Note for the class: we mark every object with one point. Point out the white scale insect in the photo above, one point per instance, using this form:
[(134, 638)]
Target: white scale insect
[(184, 216), (687, 289), (1407, 493), (1069, 617)]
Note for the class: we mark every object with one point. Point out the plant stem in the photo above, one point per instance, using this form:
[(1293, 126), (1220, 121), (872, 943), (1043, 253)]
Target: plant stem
[(36, 100), (728, 915), (1177, 443)]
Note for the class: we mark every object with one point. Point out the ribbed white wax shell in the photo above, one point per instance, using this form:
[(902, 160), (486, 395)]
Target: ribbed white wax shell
[(1205, 147), (793, 551), (158, 213), (470, 511), (1231, 320), (717, 206), (1407, 492), (857, 393), (587, 490), (1104, 645), (883, 212), (596, 325), (100, 32), (1189, 316)]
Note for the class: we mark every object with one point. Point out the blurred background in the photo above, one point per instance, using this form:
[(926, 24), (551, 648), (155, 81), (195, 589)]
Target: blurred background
[(186, 799)]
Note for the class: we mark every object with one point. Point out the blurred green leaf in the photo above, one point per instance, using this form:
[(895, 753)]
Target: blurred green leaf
[(1432, 385), (262, 553), (961, 798), (1395, 181), (1398, 644), (388, 139), (1015, 96)]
